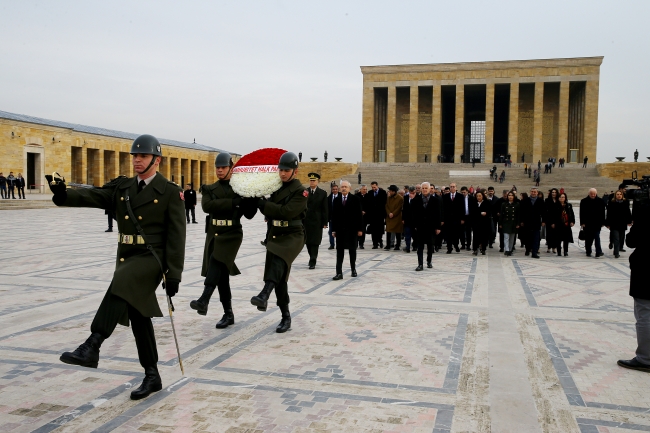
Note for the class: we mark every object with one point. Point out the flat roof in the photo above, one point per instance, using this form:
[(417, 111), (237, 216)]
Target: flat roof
[(102, 131), (474, 66)]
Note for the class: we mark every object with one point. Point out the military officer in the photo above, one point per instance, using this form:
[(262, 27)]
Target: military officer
[(285, 210), (316, 218), (223, 238), (146, 204)]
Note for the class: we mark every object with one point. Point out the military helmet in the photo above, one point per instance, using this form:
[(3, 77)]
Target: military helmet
[(147, 144), (288, 161), (223, 160)]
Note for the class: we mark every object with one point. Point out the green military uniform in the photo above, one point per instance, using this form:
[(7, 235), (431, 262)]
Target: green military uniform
[(284, 211), (315, 219), (160, 212), (157, 207), (287, 205)]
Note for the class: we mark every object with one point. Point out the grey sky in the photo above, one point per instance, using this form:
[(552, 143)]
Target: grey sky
[(245, 75)]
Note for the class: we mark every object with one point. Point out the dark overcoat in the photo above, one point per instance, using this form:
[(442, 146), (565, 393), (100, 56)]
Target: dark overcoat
[(618, 215), (161, 214), (347, 221), (563, 231), (510, 217), (289, 203), (317, 216), (376, 212), (639, 238), (223, 242), (426, 220)]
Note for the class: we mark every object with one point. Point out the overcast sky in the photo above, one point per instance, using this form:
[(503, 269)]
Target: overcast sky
[(242, 75)]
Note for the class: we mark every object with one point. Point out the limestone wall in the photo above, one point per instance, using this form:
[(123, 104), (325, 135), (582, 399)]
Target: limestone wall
[(328, 170), (55, 146), (623, 170)]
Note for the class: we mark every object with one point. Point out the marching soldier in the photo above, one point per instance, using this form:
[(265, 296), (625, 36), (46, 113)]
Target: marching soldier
[(223, 239), (151, 224), (316, 218), (285, 210)]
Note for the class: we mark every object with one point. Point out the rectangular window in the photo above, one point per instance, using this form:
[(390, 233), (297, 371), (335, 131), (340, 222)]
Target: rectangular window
[(476, 141)]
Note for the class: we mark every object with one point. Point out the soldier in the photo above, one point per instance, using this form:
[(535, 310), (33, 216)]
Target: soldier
[(149, 244), (285, 211), (223, 238), (316, 218)]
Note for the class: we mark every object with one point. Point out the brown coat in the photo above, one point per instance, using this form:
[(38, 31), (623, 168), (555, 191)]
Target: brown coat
[(394, 205)]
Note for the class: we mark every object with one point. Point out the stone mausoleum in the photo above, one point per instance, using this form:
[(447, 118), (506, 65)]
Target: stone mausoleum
[(85, 154), (482, 111)]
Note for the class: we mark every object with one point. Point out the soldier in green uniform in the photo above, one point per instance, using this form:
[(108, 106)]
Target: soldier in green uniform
[(284, 210), (156, 205), (316, 219), (223, 238)]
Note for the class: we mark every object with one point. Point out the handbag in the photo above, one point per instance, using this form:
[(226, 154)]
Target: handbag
[(581, 235)]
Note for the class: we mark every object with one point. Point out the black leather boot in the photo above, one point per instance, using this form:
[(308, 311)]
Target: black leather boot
[(228, 318), (86, 355), (261, 300), (285, 323), (201, 304), (151, 383)]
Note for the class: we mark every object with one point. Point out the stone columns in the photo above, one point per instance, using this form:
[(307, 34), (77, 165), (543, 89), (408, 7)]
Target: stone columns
[(413, 124), (164, 168), (538, 121), (100, 168), (368, 151), (563, 122), (196, 179), (459, 137), (513, 121), (591, 120), (436, 123), (83, 172), (391, 112), (489, 123)]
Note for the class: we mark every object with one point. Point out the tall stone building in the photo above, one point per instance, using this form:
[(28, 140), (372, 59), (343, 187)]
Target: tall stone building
[(90, 155), (481, 110)]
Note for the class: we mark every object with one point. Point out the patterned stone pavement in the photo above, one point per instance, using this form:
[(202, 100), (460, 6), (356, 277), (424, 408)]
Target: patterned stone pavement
[(483, 343)]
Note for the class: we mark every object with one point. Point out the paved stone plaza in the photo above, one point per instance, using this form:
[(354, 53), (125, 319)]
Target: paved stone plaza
[(487, 343)]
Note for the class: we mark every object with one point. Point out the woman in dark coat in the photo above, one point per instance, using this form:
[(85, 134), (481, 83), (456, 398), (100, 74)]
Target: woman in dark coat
[(549, 205), (618, 218), (509, 222), (521, 231), (481, 215), (561, 220)]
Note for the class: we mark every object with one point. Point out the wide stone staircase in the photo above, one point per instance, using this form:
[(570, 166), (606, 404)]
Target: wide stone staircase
[(33, 201), (575, 180)]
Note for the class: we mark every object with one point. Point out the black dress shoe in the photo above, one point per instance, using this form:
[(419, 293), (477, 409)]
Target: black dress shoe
[(599, 254), (353, 273), (527, 253), (633, 364), (374, 247), (338, 277), (483, 252), (475, 252), (86, 355), (194, 222), (535, 256), (588, 254), (621, 250), (500, 250), (387, 247), (429, 265), (616, 256), (396, 248), (566, 254), (457, 250), (201, 304), (361, 247), (407, 250), (331, 247), (419, 268), (109, 231), (448, 251), (227, 320), (151, 383), (490, 246), (312, 266)]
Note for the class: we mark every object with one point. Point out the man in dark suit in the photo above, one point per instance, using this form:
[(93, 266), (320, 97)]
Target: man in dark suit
[(592, 219), (365, 204), (189, 195), (466, 226), (532, 210), (453, 214), (377, 214), (427, 216), (334, 192), (347, 225), (316, 219)]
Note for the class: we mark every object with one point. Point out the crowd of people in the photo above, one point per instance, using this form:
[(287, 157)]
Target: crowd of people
[(10, 184), (475, 219)]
